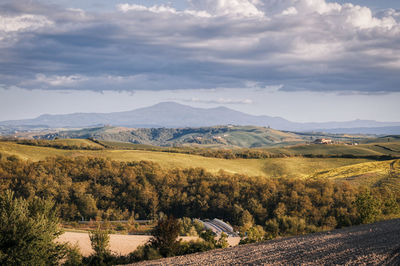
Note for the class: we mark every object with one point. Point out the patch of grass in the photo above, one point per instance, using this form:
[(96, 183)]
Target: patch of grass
[(66, 144), (77, 142), (129, 146)]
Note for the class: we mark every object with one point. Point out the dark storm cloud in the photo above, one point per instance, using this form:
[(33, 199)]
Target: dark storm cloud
[(304, 45)]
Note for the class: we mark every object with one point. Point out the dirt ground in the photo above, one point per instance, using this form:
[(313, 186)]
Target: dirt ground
[(120, 244), (373, 244)]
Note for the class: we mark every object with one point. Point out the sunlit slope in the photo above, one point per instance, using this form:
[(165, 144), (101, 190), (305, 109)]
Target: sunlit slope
[(369, 173), (373, 149), (257, 137), (298, 167), (276, 167), (70, 143)]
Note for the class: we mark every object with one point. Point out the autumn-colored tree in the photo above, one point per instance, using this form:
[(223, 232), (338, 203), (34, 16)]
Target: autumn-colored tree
[(165, 236), (368, 207)]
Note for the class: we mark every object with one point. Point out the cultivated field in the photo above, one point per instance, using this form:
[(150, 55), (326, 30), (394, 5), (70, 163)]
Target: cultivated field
[(120, 244), (373, 244)]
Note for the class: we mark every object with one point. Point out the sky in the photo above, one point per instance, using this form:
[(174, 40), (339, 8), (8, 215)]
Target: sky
[(303, 60)]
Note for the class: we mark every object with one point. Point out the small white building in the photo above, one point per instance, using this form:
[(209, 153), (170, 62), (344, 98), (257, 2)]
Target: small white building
[(323, 141)]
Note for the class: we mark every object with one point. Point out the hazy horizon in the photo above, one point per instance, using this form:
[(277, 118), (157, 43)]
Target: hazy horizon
[(173, 102)]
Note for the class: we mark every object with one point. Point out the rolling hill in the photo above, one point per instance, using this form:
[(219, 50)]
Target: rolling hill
[(298, 161), (207, 137), (229, 136)]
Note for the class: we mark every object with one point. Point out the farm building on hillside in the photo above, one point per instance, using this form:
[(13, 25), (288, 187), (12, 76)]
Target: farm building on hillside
[(323, 141), (218, 226)]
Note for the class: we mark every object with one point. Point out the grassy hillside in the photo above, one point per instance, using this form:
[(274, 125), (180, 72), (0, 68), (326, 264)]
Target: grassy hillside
[(340, 162), (385, 139), (362, 150), (265, 140), (290, 167), (370, 174), (68, 144)]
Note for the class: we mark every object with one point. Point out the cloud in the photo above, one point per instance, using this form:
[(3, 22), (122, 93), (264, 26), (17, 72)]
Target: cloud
[(303, 45), (22, 22), (111, 82), (154, 9), (290, 11), (162, 9), (58, 80), (231, 8), (12, 26)]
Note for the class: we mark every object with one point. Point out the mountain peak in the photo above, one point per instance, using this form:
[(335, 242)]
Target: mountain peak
[(170, 103), (222, 108), (167, 106)]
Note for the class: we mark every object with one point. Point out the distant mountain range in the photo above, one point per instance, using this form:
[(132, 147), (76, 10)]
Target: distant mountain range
[(174, 115)]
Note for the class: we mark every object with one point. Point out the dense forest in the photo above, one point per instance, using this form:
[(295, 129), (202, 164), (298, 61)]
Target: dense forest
[(89, 188)]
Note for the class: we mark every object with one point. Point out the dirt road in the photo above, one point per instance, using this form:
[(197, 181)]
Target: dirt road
[(375, 244)]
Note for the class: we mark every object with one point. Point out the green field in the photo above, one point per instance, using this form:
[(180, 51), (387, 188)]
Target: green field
[(369, 173), (362, 150), (274, 167)]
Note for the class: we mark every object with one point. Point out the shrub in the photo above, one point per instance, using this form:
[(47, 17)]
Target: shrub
[(28, 229), (368, 207), (74, 256), (253, 234), (145, 252), (193, 247), (100, 241), (165, 236)]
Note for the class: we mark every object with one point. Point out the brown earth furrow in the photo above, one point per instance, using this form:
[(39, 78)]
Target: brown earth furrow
[(373, 244)]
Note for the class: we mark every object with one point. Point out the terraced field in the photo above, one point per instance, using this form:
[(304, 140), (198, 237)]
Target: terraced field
[(372, 244)]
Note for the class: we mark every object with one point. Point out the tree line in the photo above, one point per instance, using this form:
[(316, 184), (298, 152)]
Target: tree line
[(87, 188), (59, 144)]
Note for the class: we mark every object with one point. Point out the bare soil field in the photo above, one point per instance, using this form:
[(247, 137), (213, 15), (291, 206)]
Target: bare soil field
[(373, 244), (120, 244)]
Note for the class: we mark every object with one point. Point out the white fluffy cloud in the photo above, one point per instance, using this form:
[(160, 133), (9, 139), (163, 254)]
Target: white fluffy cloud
[(205, 8), (155, 9), (234, 8), (22, 22), (11, 26)]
